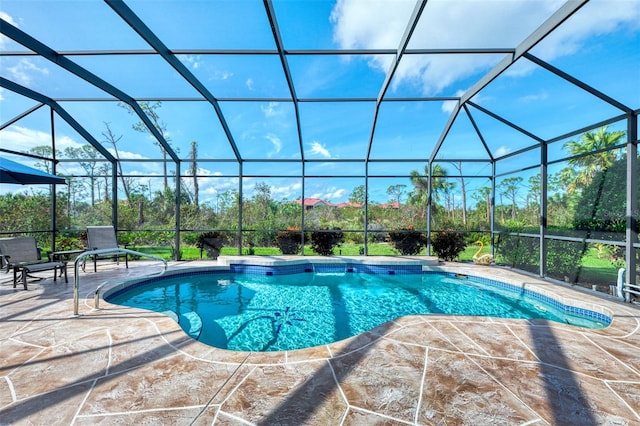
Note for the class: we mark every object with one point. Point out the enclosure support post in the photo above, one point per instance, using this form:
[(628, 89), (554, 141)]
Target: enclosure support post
[(240, 202), (114, 195), (302, 208), (178, 204), (366, 205), (632, 200), (428, 206), (492, 209), (52, 188), (543, 208)]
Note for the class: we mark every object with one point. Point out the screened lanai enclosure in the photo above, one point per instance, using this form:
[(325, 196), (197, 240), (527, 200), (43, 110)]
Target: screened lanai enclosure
[(514, 123)]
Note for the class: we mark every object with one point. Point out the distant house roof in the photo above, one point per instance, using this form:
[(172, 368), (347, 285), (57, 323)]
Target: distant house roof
[(314, 202), (393, 205)]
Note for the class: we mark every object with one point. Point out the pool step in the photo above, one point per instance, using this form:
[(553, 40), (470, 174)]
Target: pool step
[(191, 323)]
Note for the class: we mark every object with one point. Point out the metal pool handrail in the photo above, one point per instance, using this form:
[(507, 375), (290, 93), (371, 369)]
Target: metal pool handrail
[(76, 275)]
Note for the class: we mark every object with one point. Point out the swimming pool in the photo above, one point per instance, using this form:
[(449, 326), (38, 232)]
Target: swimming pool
[(277, 312)]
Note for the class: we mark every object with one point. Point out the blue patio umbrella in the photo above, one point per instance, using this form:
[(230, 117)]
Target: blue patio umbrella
[(12, 172)]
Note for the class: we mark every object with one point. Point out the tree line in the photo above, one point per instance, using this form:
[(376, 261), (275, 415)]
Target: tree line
[(87, 200)]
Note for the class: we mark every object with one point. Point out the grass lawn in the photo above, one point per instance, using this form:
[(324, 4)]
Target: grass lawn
[(594, 269)]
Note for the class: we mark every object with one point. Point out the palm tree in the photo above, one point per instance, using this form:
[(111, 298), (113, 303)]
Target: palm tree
[(421, 186), (593, 152)]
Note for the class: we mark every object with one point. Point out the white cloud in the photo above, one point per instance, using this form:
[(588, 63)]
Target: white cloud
[(23, 71), (371, 24), (380, 23), (449, 106), (190, 60), (271, 109), (276, 142), (209, 189), (435, 73), (5, 16), (249, 84), (8, 18), (127, 155), (540, 96), (503, 150), (288, 192), (204, 172), (318, 149), (334, 193), (221, 75), (595, 18), (331, 193), (26, 139), (63, 142)]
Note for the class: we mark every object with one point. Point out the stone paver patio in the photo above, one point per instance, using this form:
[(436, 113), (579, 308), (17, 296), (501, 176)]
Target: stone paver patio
[(121, 365)]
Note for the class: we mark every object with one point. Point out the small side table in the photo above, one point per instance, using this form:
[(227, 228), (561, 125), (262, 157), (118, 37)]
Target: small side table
[(64, 256)]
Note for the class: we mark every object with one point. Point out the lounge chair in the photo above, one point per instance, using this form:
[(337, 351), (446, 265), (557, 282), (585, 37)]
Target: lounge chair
[(104, 238), (22, 256)]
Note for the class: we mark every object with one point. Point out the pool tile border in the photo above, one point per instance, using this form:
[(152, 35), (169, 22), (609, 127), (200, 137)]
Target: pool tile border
[(550, 300), (347, 267), (285, 267)]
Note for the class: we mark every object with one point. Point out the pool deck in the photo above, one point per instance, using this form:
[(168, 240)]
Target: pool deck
[(119, 365)]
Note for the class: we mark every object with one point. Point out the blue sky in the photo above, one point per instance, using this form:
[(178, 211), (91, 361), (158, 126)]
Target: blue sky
[(600, 44)]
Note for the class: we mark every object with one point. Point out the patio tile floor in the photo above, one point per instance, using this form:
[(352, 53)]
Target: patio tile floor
[(121, 365)]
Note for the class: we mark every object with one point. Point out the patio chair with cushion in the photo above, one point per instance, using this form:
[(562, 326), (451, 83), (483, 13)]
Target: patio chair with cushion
[(104, 238), (22, 256)]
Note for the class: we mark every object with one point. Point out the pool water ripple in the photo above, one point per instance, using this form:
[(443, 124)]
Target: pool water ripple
[(247, 312)]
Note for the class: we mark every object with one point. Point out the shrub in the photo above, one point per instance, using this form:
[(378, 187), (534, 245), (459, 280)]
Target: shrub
[(84, 240), (473, 237), (564, 260), (518, 251), (447, 244), (602, 204), (407, 241), (355, 237), (190, 238), (375, 233), (290, 241), (601, 210), (323, 241), (64, 242), (211, 242)]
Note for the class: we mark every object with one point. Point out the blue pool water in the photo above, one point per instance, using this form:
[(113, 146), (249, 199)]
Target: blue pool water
[(273, 313)]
